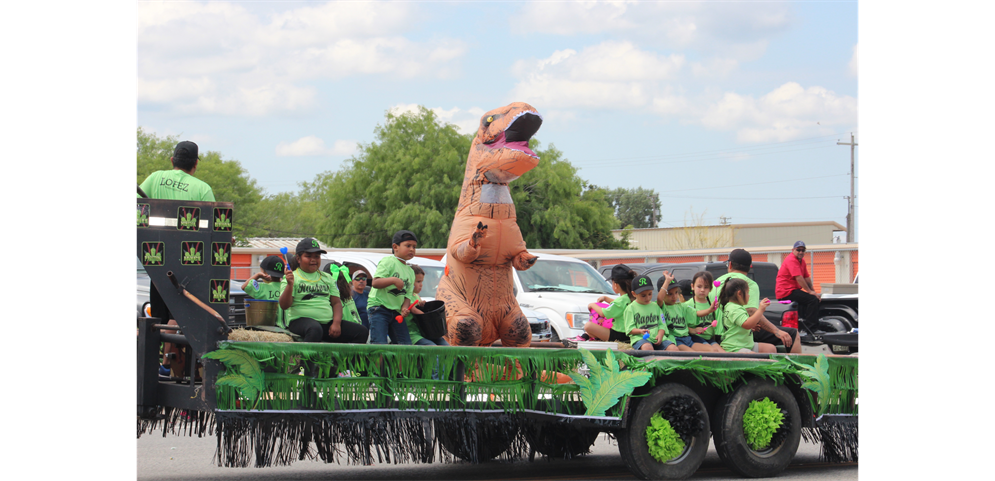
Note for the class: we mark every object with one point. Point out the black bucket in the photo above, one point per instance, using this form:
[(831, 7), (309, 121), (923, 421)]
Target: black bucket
[(432, 323)]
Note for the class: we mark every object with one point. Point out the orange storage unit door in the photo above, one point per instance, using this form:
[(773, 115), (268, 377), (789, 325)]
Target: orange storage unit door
[(853, 265), (823, 269)]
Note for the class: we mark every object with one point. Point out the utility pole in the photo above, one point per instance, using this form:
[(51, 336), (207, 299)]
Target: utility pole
[(850, 199), (724, 220)]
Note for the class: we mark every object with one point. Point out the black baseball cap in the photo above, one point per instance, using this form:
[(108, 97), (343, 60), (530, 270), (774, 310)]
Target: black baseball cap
[(641, 283), (740, 256), (403, 235), (620, 271), (273, 265), (185, 150), (309, 244), (661, 280), (798, 244)]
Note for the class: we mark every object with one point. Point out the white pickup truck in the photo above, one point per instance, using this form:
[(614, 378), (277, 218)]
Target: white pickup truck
[(560, 288)]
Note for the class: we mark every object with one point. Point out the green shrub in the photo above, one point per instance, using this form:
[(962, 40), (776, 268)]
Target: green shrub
[(664, 443), (760, 421)]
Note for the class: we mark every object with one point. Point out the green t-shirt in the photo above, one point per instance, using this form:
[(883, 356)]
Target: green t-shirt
[(736, 336), (176, 185), (754, 296), (391, 297), (616, 310), (312, 296), (695, 321), (676, 317), (413, 330), (267, 291), (350, 312), (642, 316)]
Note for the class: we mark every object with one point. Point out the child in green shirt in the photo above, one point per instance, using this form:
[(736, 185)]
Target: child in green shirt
[(390, 297), (270, 273), (311, 300), (621, 278), (416, 304), (642, 317), (676, 315), (701, 328), (737, 324)]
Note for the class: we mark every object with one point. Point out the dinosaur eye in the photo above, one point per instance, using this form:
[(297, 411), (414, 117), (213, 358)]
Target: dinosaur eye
[(490, 119)]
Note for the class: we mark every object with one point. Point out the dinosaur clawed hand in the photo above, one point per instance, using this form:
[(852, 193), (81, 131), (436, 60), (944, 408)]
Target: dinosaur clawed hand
[(524, 260), (478, 234)]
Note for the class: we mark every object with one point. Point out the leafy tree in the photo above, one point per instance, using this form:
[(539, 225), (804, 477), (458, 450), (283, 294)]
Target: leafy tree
[(637, 207), (289, 215), (410, 178), (227, 178)]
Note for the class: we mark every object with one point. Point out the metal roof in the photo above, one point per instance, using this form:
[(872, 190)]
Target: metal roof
[(276, 243)]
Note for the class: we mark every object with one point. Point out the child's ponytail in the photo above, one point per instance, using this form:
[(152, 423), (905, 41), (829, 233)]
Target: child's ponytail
[(625, 284), (731, 288)]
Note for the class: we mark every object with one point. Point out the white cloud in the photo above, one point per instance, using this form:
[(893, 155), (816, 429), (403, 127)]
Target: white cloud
[(737, 29), (610, 75), (788, 112), (220, 57), (853, 61), (313, 146)]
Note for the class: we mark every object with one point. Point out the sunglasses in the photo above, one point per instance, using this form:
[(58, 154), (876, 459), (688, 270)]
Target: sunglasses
[(800, 249), (359, 278)]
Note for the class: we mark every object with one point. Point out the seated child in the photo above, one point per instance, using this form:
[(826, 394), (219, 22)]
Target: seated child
[(737, 324), (676, 314), (701, 328), (621, 278), (271, 273), (416, 303), (311, 300), (643, 316), (392, 284), (340, 274)]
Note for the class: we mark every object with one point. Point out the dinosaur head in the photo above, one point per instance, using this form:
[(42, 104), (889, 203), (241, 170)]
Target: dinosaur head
[(500, 151)]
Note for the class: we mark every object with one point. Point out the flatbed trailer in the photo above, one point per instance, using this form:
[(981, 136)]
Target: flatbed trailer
[(422, 404)]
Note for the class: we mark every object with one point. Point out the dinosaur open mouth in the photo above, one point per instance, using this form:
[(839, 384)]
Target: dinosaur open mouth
[(516, 136)]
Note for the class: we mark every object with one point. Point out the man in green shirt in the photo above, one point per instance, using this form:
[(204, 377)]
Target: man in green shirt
[(176, 184), (179, 183), (740, 262)]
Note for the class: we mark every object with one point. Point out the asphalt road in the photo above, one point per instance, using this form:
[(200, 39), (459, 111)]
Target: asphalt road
[(185, 458)]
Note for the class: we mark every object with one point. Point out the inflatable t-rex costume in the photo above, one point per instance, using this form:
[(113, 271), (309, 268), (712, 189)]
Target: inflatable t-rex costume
[(485, 241)]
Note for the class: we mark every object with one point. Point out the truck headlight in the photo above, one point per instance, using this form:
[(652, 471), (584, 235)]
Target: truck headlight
[(578, 319)]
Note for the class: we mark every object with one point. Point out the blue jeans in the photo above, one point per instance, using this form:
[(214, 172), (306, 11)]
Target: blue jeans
[(656, 347), (431, 342), (383, 324)]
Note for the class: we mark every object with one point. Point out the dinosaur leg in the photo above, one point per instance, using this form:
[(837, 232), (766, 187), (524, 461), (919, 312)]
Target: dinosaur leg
[(514, 330), (466, 328)]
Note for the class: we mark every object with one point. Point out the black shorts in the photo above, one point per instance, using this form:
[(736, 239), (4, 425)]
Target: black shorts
[(615, 336), (769, 338)]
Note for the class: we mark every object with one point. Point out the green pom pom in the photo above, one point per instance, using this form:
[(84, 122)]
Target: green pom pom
[(760, 421), (664, 443)]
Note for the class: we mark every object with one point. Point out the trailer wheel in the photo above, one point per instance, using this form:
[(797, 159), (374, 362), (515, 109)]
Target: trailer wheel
[(730, 442), (561, 441), (691, 423), (485, 441)]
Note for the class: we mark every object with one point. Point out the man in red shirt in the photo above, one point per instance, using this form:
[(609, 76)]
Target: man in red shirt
[(794, 283)]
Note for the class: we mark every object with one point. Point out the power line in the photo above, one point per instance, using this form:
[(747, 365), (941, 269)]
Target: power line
[(757, 183), (733, 149), (751, 198)]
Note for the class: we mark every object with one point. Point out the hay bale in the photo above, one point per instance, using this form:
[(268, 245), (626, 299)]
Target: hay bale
[(257, 336)]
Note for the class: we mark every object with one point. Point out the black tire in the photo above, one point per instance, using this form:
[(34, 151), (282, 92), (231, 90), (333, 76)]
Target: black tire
[(488, 440), (834, 324), (632, 440), (730, 442), (561, 441), (553, 335)]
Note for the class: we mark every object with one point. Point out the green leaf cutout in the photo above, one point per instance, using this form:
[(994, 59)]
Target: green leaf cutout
[(606, 385), (816, 379), (242, 372)]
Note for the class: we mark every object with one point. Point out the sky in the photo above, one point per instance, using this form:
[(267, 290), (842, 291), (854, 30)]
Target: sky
[(726, 109)]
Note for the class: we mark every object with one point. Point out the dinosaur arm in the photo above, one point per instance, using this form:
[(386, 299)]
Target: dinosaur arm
[(524, 260), (467, 252)]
